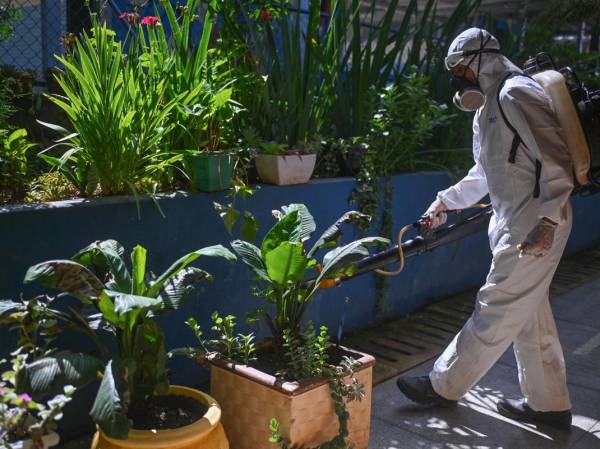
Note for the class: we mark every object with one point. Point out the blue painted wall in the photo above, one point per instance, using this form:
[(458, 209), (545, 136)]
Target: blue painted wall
[(31, 234)]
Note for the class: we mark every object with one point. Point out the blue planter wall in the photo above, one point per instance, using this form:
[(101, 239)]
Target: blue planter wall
[(31, 234)]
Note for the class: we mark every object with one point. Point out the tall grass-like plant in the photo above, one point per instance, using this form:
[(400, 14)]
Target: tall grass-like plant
[(296, 57), (119, 114), (195, 75), (372, 59)]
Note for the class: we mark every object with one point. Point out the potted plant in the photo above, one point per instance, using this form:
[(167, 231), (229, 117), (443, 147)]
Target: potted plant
[(134, 400), (295, 389), (209, 166), (25, 423), (277, 164), (202, 131)]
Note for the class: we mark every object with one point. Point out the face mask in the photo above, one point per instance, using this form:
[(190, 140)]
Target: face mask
[(469, 96)]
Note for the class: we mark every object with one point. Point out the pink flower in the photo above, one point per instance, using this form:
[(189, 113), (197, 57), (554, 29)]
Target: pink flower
[(129, 17), (266, 16), (150, 20), (26, 397)]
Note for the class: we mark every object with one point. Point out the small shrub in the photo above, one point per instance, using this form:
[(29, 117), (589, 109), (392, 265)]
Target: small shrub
[(51, 186), (13, 165)]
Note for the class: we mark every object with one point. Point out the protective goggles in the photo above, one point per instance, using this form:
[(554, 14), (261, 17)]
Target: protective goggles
[(456, 58)]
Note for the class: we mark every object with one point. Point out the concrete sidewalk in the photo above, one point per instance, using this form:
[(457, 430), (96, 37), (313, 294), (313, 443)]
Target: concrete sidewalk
[(397, 423)]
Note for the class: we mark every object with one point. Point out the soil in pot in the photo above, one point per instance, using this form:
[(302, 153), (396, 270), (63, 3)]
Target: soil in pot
[(166, 412), (269, 362)]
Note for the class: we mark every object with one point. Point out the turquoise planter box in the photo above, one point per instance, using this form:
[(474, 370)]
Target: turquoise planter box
[(212, 172)]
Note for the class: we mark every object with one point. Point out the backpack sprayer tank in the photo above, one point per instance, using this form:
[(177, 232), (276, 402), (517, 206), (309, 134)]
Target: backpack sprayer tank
[(578, 112)]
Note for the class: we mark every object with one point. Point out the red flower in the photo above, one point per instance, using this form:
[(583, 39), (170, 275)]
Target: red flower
[(266, 16), (129, 17), (150, 20)]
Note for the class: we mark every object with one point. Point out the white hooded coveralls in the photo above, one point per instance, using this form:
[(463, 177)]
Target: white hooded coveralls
[(512, 306)]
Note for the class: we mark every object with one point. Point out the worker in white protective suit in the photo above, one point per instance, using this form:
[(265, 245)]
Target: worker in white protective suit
[(522, 162)]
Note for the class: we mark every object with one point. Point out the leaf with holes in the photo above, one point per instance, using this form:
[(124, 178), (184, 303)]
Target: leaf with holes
[(68, 276), (251, 256)]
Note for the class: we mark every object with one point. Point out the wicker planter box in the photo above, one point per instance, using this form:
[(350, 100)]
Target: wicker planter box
[(250, 398)]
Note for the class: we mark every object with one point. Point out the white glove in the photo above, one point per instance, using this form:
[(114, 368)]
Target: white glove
[(435, 214), (539, 241)]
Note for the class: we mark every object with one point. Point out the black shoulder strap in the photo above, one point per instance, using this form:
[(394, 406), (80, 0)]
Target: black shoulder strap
[(512, 156), (517, 138)]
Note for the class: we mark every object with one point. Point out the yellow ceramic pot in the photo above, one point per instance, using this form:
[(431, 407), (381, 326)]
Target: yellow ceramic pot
[(206, 433)]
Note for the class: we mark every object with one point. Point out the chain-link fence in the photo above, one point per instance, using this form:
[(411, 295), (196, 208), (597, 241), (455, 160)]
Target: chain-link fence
[(35, 30)]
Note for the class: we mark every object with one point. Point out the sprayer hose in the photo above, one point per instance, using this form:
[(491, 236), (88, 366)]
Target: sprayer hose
[(400, 254), (406, 229)]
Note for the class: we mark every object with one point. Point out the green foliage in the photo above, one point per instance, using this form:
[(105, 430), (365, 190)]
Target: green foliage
[(405, 119), (50, 186), (119, 115), (20, 416), (240, 348), (196, 76), (14, 165), (295, 63), (237, 348), (8, 14), (282, 262), (6, 98), (231, 215), (125, 304), (306, 356), (36, 323)]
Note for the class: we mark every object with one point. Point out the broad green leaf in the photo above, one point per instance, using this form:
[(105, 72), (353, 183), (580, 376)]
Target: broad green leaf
[(180, 264), (288, 229), (150, 359), (107, 308), (179, 287), (138, 265), (68, 276), (249, 227), (286, 263), (105, 257), (308, 222), (48, 375), (221, 98), (251, 256), (109, 409), (228, 214), (16, 135), (125, 302)]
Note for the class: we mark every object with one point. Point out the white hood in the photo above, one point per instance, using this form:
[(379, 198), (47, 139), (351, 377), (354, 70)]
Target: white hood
[(494, 66)]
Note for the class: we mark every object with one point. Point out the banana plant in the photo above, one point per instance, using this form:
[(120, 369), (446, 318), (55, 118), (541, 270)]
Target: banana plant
[(288, 275), (123, 302)]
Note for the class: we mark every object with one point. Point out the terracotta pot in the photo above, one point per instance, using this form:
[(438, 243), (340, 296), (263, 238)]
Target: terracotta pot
[(306, 415), (285, 170), (49, 440), (206, 433)]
